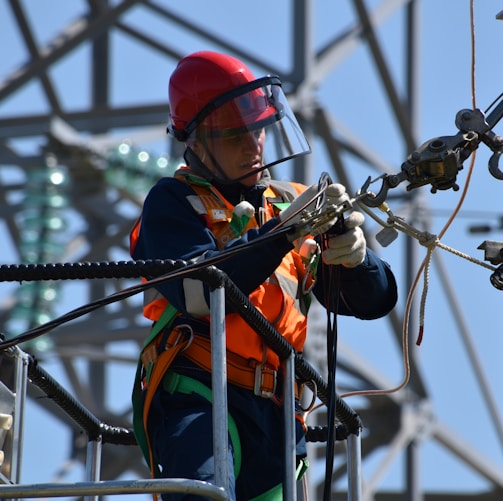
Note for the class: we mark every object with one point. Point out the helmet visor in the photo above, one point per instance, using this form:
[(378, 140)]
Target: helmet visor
[(254, 120)]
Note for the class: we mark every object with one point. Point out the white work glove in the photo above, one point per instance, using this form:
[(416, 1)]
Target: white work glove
[(335, 194), (349, 247)]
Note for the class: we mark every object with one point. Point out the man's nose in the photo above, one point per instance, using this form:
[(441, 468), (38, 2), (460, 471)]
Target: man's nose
[(251, 141)]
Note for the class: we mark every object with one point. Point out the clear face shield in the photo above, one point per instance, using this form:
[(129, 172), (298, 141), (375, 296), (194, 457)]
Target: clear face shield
[(247, 130)]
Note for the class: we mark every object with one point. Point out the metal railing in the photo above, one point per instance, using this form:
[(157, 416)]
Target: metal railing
[(223, 291)]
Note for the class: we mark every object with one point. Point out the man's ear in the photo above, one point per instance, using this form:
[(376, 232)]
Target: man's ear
[(195, 146), (199, 150)]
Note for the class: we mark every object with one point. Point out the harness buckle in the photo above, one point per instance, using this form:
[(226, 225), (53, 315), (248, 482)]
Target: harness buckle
[(182, 331), (265, 381)]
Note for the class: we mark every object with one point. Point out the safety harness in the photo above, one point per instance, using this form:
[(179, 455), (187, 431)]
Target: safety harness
[(152, 372), (157, 356)]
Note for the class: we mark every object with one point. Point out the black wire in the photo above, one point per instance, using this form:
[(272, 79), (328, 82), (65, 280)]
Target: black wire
[(493, 103), (182, 268), (332, 334), (332, 292)]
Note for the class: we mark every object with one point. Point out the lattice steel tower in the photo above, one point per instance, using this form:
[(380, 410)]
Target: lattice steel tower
[(76, 165)]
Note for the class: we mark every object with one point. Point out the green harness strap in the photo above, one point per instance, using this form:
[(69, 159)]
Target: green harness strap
[(276, 492), (174, 382)]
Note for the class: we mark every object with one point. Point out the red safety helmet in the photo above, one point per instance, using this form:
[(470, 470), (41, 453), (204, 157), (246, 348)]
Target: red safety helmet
[(205, 83), (213, 94)]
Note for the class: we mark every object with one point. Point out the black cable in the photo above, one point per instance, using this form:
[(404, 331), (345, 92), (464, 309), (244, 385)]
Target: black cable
[(281, 347), (80, 415), (493, 103), (332, 293), (332, 337), (162, 269), (95, 428)]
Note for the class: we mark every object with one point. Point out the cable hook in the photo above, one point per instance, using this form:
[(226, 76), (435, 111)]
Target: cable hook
[(371, 199), (494, 165)]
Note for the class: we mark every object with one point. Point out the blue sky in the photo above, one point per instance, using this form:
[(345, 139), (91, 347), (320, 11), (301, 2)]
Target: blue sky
[(354, 97)]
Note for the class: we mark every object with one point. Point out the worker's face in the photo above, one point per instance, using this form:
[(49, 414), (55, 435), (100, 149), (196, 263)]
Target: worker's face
[(237, 155)]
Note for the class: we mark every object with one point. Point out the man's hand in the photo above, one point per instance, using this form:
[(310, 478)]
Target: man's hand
[(350, 247), (335, 194)]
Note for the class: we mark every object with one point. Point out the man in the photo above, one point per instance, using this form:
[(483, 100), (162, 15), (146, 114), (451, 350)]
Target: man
[(235, 127)]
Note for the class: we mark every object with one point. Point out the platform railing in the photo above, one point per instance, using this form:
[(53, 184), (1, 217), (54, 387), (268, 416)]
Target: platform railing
[(13, 385), (294, 365)]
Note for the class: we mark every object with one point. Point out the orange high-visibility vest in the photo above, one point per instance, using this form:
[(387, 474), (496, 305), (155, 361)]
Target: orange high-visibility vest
[(280, 298)]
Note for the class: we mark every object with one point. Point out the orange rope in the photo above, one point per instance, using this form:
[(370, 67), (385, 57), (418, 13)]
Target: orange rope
[(426, 261)]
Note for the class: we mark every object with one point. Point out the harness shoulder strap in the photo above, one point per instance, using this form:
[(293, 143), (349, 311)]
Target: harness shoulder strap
[(139, 397), (168, 315), (287, 190), (281, 193)]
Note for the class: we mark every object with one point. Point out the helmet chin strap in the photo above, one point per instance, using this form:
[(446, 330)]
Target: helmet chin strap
[(198, 166)]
